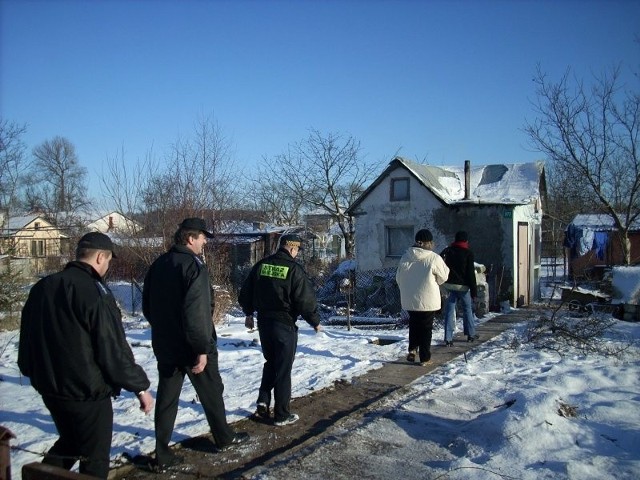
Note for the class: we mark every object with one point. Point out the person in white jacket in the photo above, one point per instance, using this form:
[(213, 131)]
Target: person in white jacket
[(420, 273)]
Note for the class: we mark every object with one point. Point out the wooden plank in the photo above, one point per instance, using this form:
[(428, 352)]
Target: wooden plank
[(42, 471)]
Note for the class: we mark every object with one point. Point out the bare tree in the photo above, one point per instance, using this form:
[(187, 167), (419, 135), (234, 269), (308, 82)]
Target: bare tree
[(123, 188), (325, 172), (196, 178), (12, 163), (59, 181), (200, 176), (269, 194), (592, 136)]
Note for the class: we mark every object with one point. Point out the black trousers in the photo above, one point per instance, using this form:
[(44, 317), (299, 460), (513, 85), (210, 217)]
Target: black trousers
[(279, 343), (420, 332), (209, 387), (85, 429)]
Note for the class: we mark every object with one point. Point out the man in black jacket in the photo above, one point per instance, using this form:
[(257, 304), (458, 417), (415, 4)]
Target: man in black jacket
[(461, 285), (176, 300), (279, 290), (74, 350)]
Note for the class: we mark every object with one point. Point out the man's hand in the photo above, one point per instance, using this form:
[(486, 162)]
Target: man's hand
[(317, 328), (249, 323), (146, 401), (202, 362)]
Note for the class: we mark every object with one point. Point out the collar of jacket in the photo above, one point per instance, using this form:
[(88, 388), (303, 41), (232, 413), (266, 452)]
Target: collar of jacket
[(84, 266), (182, 249), (460, 244), (285, 253)]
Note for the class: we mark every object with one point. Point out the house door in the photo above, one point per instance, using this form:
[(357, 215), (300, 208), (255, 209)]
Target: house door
[(522, 295)]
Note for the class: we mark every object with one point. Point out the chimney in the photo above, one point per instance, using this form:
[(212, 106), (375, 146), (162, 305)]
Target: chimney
[(467, 179)]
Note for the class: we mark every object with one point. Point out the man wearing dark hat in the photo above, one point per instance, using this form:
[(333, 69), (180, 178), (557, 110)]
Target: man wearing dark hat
[(74, 350), (279, 290), (176, 300), (461, 285)]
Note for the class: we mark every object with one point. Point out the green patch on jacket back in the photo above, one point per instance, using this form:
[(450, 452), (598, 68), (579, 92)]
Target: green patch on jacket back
[(274, 271)]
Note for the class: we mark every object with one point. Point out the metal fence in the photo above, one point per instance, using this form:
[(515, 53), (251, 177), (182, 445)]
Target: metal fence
[(367, 297)]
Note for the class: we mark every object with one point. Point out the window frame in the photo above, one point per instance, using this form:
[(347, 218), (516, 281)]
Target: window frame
[(38, 248), (389, 238), (393, 191)]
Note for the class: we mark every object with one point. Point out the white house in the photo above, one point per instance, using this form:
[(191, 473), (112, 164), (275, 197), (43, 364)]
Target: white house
[(112, 222), (32, 236), (500, 206)]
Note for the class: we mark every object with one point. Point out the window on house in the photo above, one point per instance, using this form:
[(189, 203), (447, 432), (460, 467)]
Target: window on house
[(399, 189), (37, 225), (398, 240), (37, 248)]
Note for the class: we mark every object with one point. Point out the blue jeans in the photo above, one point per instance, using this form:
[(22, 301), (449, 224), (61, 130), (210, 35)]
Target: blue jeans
[(450, 314)]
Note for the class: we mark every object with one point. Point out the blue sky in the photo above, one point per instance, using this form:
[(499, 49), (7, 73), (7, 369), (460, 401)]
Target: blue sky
[(435, 81)]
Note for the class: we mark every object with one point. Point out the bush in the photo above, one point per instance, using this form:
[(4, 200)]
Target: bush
[(566, 329), (222, 301), (13, 294)]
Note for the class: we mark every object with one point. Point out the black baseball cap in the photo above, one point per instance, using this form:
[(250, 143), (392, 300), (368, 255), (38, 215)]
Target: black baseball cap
[(195, 223), (98, 241), (291, 240)]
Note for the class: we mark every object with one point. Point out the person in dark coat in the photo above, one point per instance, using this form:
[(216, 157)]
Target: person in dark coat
[(279, 290), (74, 350), (461, 285), (176, 300)]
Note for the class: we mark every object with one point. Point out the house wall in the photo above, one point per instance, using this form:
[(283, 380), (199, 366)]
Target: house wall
[(319, 223), (491, 230), (528, 214), (47, 236), (38, 241), (376, 213)]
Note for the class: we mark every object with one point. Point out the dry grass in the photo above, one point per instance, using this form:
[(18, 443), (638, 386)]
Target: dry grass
[(223, 302)]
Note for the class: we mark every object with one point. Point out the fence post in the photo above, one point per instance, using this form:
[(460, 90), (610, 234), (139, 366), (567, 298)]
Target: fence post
[(5, 453), (42, 471)]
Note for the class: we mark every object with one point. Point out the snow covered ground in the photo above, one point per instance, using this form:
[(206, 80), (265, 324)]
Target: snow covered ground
[(521, 413), (501, 413)]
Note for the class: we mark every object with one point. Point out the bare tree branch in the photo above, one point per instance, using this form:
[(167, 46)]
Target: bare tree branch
[(591, 137), (324, 172), (60, 180), (12, 162)]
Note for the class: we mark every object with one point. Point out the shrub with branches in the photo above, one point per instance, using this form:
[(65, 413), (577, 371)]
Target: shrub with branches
[(12, 295), (565, 329)]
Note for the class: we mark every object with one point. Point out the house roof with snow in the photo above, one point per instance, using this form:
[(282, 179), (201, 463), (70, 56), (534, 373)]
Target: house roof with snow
[(599, 222), (19, 222), (515, 184), (14, 224), (240, 227)]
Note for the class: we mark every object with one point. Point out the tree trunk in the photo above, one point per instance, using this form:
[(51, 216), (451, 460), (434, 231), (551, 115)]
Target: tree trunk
[(626, 247)]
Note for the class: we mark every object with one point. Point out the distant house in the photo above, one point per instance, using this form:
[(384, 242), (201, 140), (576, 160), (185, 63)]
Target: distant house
[(240, 244), (592, 242), (499, 205), (327, 242), (112, 222), (33, 237)]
